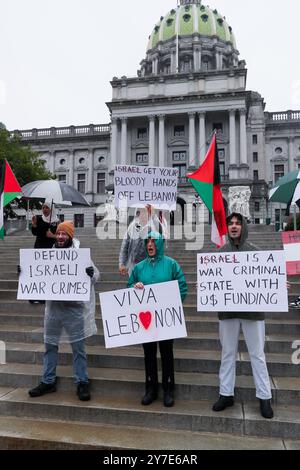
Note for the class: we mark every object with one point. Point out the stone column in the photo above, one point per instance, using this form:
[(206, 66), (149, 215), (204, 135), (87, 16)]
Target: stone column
[(173, 61), (244, 166), (291, 154), (232, 132), (90, 186), (51, 164), (202, 137), (124, 141), (196, 59), (200, 57), (192, 140), (71, 168), (151, 140), (162, 159), (114, 142), (243, 138), (233, 172)]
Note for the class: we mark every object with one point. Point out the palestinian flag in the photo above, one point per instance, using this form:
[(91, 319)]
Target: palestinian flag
[(9, 190), (207, 182)]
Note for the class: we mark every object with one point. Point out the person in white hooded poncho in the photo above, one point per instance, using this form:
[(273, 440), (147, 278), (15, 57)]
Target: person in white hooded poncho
[(68, 322), (133, 249)]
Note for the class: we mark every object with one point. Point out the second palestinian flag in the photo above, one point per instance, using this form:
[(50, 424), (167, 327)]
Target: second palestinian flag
[(207, 182)]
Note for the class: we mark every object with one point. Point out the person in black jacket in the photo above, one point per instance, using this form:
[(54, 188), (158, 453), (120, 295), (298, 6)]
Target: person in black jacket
[(44, 226)]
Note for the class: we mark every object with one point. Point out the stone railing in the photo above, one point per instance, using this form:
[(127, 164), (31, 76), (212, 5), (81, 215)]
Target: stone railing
[(61, 132), (283, 116)]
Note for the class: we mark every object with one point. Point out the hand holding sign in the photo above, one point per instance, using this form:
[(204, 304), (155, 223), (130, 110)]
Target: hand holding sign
[(54, 275), (144, 315), (242, 282)]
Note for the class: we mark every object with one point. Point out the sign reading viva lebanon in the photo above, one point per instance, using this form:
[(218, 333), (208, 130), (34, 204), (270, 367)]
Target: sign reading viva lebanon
[(134, 316), (55, 275), (138, 186), (242, 282)]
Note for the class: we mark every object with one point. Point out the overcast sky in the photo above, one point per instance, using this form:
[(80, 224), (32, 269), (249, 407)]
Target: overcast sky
[(57, 57)]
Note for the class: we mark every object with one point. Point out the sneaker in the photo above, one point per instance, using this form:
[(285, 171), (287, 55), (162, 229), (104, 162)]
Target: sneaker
[(168, 399), (42, 389), (149, 398), (83, 391), (223, 403), (266, 409)]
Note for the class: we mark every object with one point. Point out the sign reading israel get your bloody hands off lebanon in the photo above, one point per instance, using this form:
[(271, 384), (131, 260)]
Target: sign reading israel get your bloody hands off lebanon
[(55, 275), (139, 186), (135, 316), (242, 282)]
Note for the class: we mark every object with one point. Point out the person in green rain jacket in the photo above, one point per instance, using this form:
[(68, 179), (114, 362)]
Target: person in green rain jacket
[(155, 269)]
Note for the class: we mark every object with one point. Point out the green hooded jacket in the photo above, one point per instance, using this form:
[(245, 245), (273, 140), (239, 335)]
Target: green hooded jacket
[(243, 246), (159, 269)]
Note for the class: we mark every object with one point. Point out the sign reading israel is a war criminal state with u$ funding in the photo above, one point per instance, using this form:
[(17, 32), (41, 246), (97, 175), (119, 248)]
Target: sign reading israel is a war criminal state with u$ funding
[(55, 275), (139, 186), (242, 282), (136, 316)]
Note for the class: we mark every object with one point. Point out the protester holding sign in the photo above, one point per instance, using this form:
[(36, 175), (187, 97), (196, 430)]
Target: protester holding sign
[(253, 327), (158, 268), (44, 226), (69, 322), (133, 246)]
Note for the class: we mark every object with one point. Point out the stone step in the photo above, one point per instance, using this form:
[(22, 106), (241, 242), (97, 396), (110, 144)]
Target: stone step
[(189, 386), (41, 434), (208, 341), (192, 360), (191, 416)]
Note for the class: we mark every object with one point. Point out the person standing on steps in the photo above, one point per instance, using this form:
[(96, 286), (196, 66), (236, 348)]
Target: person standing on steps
[(253, 327), (44, 228), (133, 249), (158, 268), (68, 322)]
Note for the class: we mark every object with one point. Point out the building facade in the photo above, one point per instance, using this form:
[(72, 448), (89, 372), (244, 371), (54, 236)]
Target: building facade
[(190, 83)]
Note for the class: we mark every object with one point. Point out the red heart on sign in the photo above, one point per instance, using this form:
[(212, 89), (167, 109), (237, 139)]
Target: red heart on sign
[(146, 319)]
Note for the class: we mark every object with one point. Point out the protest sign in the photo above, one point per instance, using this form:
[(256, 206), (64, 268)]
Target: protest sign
[(134, 316), (242, 282), (138, 186), (54, 275), (291, 245)]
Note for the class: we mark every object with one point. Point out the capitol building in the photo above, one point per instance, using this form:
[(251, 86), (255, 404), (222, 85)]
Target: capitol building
[(191, 82)]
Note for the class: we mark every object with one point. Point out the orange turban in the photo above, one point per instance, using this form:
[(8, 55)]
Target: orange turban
[(67, 227)]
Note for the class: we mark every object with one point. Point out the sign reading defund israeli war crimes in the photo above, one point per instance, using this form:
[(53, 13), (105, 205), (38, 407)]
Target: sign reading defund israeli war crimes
[(242, 282), (138, 186), (54, 275), (134, 316)]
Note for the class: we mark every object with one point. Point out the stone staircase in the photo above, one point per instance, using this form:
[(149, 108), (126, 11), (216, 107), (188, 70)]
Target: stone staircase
[(114, 419)]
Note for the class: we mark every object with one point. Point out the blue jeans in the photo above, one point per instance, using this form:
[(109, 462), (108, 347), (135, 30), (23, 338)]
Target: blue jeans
[(79, 363)]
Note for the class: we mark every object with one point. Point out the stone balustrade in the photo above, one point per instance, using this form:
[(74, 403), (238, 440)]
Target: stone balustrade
[(61, 132)]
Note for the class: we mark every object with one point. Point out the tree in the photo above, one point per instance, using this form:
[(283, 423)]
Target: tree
[(25, 163)]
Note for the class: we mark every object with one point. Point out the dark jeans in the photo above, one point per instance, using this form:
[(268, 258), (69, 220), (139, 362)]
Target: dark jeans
[(167, 365), (79, 363)]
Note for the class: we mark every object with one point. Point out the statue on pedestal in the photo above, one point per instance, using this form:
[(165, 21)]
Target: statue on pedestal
[(239, 200)]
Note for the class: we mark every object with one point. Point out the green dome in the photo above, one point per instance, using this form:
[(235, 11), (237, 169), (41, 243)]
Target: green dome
[(188, 19)]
